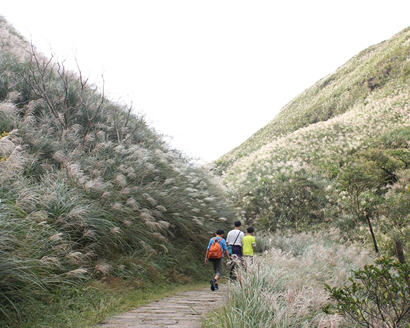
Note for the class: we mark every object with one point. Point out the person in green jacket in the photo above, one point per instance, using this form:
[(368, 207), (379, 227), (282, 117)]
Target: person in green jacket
[(248, 243)]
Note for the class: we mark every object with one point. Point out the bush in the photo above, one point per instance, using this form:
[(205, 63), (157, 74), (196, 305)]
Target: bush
[(378, 296)]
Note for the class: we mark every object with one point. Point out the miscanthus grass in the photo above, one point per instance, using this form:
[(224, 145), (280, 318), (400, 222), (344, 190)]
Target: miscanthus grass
[(284, 287), (88, 190)]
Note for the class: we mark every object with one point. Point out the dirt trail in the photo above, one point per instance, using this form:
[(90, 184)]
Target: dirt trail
[(183, 310)]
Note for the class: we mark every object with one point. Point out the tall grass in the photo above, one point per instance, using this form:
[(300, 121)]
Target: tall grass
[(88, 189), (284, 287)]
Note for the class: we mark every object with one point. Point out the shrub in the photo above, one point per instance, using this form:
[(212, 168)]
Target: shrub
[(378, 295)]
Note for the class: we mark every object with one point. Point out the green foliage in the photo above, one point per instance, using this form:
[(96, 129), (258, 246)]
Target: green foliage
[(378, 295), (355, 180), (292, 200)]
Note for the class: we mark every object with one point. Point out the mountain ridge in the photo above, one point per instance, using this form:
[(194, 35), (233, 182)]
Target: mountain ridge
[(354, 80)]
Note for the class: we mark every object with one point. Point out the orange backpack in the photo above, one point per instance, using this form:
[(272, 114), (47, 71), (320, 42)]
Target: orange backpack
[(215, 250)]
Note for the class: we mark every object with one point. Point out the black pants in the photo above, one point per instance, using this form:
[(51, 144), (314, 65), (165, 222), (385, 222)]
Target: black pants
[(236, 255)]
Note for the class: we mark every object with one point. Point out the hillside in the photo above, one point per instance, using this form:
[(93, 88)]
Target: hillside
[(88, 189), (380, 67), (338, 154)]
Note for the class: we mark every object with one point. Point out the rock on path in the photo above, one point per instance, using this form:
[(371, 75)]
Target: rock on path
[(183, 310)]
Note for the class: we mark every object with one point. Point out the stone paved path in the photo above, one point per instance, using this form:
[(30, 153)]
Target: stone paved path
[(183, 310)]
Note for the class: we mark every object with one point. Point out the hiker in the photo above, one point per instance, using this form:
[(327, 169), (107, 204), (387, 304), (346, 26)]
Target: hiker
[(249, 244), (215, 253), (234, 240)]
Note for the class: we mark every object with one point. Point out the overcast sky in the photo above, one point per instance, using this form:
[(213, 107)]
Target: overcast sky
[(210, 73)]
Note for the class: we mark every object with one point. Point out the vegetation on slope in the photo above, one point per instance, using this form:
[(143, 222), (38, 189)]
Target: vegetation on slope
[(348, 169), (380, 67), (338, 155), (88, 190)]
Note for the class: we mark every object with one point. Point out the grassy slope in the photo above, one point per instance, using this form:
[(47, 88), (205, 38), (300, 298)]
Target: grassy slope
[(371, 70), (88, 189)]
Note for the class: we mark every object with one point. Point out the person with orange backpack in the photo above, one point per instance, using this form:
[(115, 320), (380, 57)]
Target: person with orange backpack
[(215, 253)]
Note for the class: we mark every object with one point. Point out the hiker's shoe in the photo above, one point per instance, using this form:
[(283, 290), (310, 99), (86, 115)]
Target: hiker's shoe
[(216, 286), (212, 284)]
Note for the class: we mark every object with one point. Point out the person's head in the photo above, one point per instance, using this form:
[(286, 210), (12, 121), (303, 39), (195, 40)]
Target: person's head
[(219, 232), (237, 224), (250, 230)]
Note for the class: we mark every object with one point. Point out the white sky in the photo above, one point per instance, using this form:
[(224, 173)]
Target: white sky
[(210, 73)]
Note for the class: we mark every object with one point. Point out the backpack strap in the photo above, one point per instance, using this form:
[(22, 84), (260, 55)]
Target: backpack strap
[(236, 238)]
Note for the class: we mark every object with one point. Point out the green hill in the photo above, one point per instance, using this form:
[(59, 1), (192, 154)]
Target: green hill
[(380, 68), (338, 154)]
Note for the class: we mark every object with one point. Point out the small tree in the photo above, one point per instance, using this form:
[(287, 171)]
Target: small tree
[(69, 96), (395, 210), (356, 181)]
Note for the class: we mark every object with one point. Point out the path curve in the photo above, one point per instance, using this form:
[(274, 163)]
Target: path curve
[(183, 310)]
